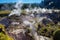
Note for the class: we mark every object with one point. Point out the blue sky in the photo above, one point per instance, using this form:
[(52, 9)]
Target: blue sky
[(23, 1)]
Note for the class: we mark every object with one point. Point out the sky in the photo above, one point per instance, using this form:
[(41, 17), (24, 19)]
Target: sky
[(23, 1)]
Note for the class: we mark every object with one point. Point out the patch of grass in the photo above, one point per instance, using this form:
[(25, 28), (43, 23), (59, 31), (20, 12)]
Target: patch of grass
[(5, 12)]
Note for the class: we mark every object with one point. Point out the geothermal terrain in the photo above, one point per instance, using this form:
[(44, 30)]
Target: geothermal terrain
[(31, 21)]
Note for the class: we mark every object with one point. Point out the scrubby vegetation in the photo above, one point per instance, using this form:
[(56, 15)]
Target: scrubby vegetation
[(3, 34), (51, 31)]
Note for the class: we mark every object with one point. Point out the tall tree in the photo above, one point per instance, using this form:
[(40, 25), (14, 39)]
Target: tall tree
[(52, 4)]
